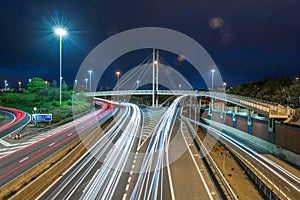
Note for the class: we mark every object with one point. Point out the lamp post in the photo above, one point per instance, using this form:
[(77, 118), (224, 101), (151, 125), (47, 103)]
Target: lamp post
[(5, 84), (118, 73), (19, 85), (90, 72), (61, 32), (212, 87), (75, 83), (212, 78), (86, 80), (137, 84), (224, 84), (118, 76)]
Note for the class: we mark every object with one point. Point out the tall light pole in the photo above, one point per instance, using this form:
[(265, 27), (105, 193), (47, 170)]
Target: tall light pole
[(19, 85), (86, 80), (212, 88), (90, 72), (137, 84), (61, 32), (5, 84), (118, 73), (225, 85), (212, 78), (75, 83)]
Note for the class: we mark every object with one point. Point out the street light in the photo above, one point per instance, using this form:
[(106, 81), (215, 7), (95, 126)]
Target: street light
[(137, 84), (75, 83), (19, 85), (179, 85), (90, 72), (5, 84), (212, 78), (224, 84), (86, 80), (61, 32), (118, 77)]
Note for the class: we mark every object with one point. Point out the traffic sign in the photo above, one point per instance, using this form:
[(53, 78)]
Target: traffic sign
[(41, 117)]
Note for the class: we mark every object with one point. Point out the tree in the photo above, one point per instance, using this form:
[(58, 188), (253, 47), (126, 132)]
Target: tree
[(36, 84)]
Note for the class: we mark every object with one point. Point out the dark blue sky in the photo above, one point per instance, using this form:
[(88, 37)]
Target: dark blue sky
[(258, 38)]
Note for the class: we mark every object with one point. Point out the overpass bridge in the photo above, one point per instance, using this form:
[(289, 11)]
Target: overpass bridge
[(267, 109)]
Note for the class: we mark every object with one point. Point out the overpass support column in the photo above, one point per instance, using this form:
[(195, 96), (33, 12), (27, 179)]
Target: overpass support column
[(190, 107), (200, 105), (222, 110), (250, 123), (271, 131), (234, 119), (271, 125)]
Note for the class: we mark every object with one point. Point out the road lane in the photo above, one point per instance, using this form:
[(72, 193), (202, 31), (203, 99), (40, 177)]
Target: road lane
[(11, 167)]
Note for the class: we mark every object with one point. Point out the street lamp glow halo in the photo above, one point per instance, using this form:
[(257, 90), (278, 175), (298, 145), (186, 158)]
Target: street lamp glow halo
[(60, 31)]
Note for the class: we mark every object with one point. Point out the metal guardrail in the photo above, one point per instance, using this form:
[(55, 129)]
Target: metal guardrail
[(266, 108), (261, 169), (272, 110)]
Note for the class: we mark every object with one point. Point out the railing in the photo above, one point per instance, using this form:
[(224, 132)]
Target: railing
[(267, 174), (272, 110), (269, 109)]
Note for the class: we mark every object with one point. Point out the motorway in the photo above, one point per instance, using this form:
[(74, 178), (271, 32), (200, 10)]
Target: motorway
[(126, 161), (99, 171), (14, 120), (13, 165), (117, 167)]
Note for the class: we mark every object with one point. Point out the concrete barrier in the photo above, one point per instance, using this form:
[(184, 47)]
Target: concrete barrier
[(16, 184), (274, 149)]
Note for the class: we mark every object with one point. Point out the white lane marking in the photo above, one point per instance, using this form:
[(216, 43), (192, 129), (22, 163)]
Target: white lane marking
[(5, 143), (49, 187), (124, 196), (129, 179), (131, 172), (70, 134), (23, 159), (196, 165), (132, 166), (91, 181), (134, 161), (127, 187), (53, 143)]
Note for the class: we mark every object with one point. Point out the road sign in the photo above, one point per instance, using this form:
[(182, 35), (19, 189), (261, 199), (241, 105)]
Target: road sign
[(41, 117)]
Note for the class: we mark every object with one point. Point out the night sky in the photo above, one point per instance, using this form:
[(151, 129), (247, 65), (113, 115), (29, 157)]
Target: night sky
[(250, 39)]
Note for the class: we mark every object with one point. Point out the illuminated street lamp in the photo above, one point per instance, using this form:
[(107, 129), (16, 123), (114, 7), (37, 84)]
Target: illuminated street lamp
[(75, 83), (212, 78), (90, 72), (179, 85), (19, 85), (118, 73), (224, 84), (61, 32), (86, 81), (137, 84), (5, 84)]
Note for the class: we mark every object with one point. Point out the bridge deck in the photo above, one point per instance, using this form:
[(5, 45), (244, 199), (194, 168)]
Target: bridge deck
[(265, 108)]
